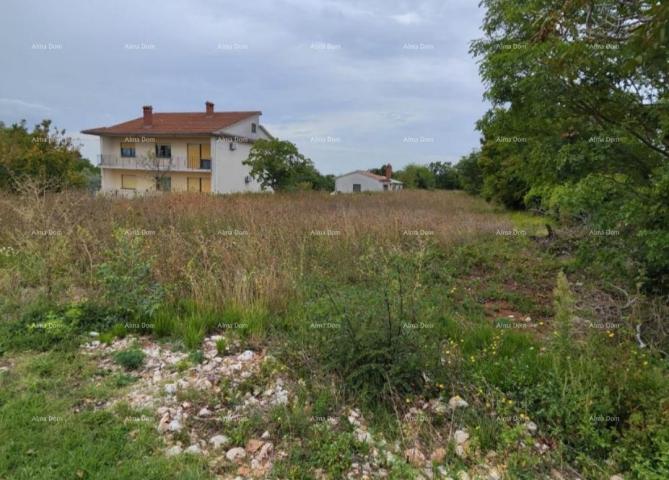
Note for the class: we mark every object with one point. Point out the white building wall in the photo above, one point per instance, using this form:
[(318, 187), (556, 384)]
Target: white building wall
[(228, 172), (345, 183), (243, 128)]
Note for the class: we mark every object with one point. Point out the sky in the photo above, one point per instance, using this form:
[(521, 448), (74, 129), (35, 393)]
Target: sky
[(354, 84)]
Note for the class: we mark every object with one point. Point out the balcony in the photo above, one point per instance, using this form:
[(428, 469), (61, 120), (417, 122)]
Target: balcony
[(173, 164)]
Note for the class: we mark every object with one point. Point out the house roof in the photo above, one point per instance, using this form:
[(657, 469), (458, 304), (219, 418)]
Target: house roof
[(198, 123), (367, 173)]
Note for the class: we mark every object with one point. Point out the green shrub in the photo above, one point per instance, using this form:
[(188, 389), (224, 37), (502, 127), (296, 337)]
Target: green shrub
[(379, 335), (127, 281), (130, 359), (196, 356), (42, 327)]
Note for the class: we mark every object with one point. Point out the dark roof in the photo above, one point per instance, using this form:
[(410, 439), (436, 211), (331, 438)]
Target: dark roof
[(175, 124)]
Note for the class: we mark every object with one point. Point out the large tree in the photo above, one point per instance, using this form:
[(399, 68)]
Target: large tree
[(44, 154), (277, 164), (579, 117)]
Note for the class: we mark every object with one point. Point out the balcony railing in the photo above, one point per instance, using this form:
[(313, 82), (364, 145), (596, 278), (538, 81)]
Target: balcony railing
[(162, 164)]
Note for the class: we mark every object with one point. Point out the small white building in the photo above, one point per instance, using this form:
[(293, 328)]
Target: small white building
[(366, 181)]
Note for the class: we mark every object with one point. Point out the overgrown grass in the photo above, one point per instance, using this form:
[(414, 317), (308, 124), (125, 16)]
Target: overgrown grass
[(375, 301), (47, 432)]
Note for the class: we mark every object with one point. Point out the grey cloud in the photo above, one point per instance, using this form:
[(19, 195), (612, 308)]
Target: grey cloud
[(368, 73)]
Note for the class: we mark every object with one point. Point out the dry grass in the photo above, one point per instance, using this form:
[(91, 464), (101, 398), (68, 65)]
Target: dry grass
[(242, 248)]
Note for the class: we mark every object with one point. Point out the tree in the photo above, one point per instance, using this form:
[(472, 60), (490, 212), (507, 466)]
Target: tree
[(277, 164), (160, 169), (445, 175), (45, 154), (416, 176), (579, 118), (469, 172)]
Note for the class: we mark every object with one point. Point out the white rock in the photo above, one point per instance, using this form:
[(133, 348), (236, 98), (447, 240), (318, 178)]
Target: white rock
[(531, 427), (280, 396), (193, 449), (219, 441), (493, 474), (460, 437), (94, 334), (175, 426), (163, 424), (246, 356), (439, 408), (265, 452), (617, 476), (236, 453), (362, 436), (173, 451), (462, 475), (204, 412), (265, 435), (170, 388), (457, 402)]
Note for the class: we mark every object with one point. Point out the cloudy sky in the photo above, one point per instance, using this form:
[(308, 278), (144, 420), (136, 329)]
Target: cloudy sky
[(355, 84)]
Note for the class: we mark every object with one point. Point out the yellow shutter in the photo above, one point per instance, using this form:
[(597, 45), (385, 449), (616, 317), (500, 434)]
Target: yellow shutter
[(206, 185), (129, 182), (206, 151), (193, 156), (193, 184)]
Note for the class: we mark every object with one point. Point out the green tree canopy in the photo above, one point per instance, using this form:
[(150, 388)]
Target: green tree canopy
[(416, 176), (45, 154), (277, 164), (579, 117), (445, 175)]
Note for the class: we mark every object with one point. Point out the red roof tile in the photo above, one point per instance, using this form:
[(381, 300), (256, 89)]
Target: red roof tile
[(367, 173), (175, 124)]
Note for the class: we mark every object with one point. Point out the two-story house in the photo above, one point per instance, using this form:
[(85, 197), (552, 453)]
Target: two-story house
[(194, 152)]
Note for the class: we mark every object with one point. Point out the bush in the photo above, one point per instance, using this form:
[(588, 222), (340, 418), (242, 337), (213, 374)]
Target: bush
[(130, 359), (126, 279), (368, 333)]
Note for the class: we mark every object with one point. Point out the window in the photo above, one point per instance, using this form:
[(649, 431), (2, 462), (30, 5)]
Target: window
[(164, 184), (163, 150), (385, 187), (129, 182), (127, 149), (254, 127), (357, 187)]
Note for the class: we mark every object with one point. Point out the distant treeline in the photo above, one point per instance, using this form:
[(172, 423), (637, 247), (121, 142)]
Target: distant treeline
[(579, 123)]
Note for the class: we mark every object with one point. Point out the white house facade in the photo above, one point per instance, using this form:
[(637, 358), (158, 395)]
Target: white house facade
[(179, 152), (365, 181)]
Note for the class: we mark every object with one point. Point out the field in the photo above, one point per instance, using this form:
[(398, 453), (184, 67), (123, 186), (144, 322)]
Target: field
[(424, 334)]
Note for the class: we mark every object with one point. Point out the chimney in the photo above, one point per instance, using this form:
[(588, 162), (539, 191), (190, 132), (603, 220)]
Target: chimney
[(210, 107), (148, 115), (389, 171)]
